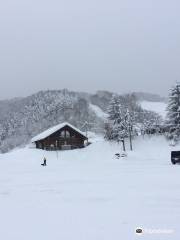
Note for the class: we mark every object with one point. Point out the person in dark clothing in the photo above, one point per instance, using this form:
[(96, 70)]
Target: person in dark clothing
[(44, 164)]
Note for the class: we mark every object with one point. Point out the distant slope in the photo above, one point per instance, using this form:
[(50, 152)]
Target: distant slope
[(158, 107), (150, 97), (98, 111)]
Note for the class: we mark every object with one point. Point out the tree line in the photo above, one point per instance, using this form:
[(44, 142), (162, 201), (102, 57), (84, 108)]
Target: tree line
[(127, 119)]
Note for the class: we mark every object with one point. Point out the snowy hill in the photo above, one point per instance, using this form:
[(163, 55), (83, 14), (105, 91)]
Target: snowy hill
[(98, 111), (149, 97), (88, 194), (23, 118), (158, 107)]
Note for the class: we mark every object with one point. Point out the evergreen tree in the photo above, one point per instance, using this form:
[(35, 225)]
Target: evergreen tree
[(173, 115), (117, 129), (151, 122), (113, 109)]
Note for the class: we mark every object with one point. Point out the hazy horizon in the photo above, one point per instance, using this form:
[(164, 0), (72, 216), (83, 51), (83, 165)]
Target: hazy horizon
[(118, 46), (72, 90)]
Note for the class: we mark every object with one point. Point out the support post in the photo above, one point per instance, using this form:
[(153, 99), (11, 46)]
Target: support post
[(130, 138), (124, 147)]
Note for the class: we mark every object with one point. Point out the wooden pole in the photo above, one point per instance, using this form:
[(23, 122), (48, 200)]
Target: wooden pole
[(130, 138), (124, 147), (57, 149)]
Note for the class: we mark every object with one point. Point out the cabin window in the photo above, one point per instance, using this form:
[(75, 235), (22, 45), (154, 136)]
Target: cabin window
[(65, 134)]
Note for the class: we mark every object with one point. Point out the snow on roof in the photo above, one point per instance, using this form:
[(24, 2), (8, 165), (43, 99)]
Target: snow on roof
[(54, 129)]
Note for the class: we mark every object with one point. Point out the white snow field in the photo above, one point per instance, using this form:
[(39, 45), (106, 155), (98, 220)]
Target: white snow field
[(87, 194), (158, 107)]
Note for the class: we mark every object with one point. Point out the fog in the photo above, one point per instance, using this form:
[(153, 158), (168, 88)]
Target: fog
[(92, 45)]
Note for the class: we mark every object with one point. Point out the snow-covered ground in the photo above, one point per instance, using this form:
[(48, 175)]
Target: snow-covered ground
[(87, 194), (158, 107)]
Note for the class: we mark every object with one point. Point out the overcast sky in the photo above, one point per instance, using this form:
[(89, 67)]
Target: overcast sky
[(117, 45)]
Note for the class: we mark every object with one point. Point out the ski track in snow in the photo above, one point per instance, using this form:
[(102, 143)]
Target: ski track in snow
[(87, 194)]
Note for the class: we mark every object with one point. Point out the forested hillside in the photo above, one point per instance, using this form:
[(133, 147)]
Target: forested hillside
[(23, 118)]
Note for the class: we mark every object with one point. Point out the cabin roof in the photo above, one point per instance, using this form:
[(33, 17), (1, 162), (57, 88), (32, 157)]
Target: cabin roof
[(54, 129)]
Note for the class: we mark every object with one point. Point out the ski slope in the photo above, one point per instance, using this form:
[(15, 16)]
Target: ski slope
[(87, 194), (98, 111), (158, 107)]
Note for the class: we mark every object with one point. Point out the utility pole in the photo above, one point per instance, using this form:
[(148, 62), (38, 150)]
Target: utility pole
[(129, 129), (57, 149), (130, 137), (123, 142)]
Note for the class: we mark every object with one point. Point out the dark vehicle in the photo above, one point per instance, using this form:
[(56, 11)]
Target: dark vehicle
[(175, 157), (139, 231)]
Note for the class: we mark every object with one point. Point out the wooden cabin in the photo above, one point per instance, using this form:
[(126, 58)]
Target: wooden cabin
[(61, 137)]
